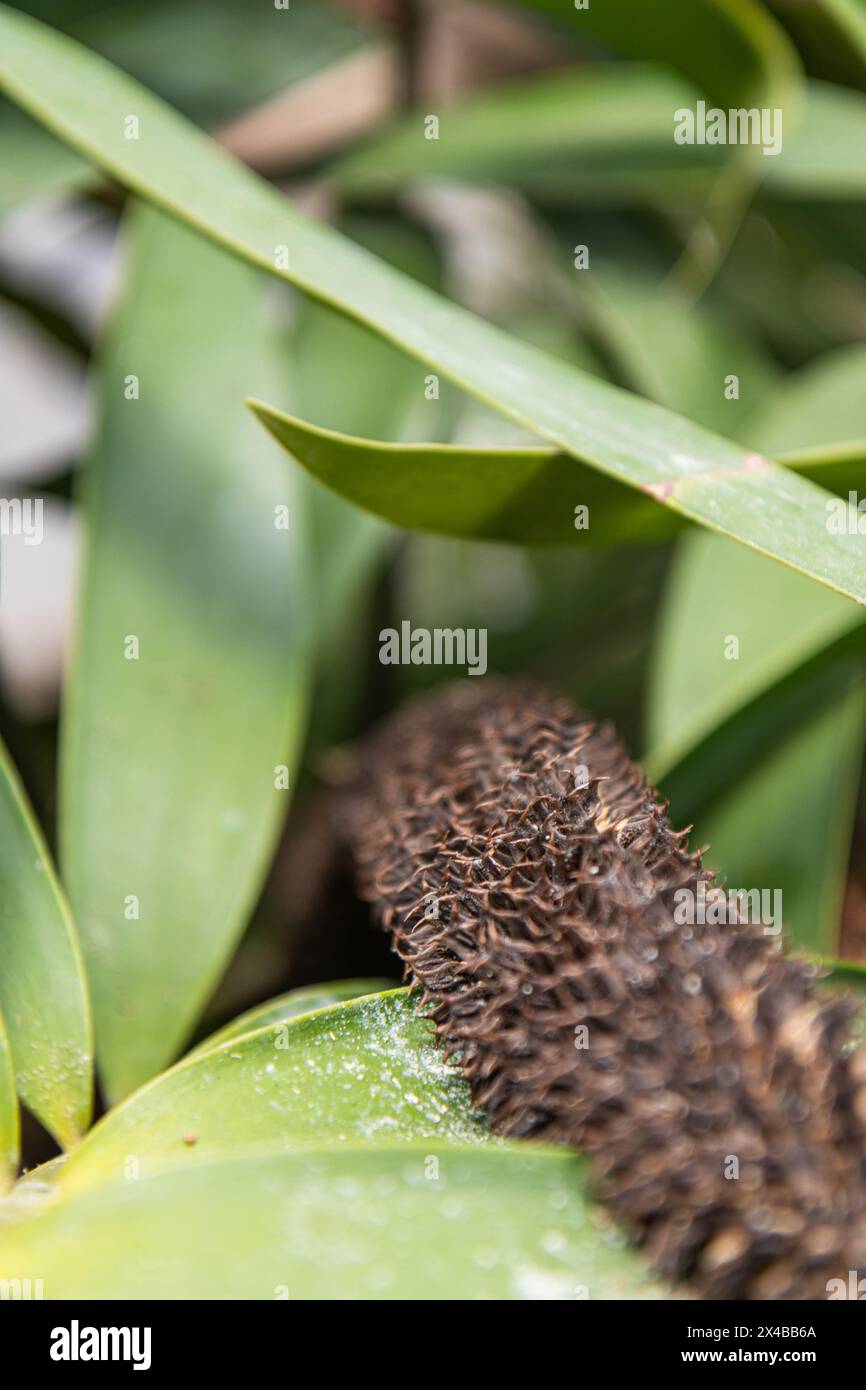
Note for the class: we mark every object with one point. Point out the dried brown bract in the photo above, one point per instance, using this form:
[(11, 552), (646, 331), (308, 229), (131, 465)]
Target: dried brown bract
[(527, 874)]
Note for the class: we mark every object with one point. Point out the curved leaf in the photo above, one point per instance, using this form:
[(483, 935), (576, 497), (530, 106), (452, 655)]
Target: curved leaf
[(43, 992), (526, 495), (189, 682), (694, 472), (368, 1069), (417, 1221), (731, 48)]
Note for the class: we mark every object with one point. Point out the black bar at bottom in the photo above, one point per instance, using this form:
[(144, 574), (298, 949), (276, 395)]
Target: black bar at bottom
[(69, 1338)]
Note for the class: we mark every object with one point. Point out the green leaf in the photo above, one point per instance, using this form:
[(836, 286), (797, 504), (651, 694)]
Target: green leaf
[(606, 134), (786, 822), (43, 992), (762, 751), (692, 702), (697, 474), (831, 34), (291, 1005), (368, 1069), (190, 674), (665, 346), (819, 409), (603, 130), (526, 495), (9, 1118), (781, 624), (244, 55), (824, 158), (419, 1221), (733, 49), (781, 726), (848, 974)]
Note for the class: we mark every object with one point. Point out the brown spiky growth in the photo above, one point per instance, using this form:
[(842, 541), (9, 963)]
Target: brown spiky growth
[(530, 906)]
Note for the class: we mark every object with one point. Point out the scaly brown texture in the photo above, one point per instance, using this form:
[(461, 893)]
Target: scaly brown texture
[(527, 873)]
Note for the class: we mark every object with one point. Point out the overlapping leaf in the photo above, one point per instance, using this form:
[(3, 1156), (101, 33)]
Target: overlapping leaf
[(692, 471), (416, 1221), (391, 1152), (526, 495), (368, 1069)]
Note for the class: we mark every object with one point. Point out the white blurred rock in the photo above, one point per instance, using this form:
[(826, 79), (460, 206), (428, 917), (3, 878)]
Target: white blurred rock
[(37, 595), (62, 252), (44, 402)]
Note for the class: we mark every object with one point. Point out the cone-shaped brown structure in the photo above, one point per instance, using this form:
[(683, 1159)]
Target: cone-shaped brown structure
[(527, 875)]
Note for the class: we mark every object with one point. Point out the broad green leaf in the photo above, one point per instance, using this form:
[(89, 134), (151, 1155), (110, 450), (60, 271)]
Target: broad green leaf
[(411, 1222), (797, 677), (692, 471), (291, 1005), (43, 992), (820, 410), (526, 495), (368, 1069), (9, 1117), (190, 674)]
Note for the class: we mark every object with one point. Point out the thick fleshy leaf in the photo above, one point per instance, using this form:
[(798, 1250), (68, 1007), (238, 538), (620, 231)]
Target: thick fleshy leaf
[(9, 1117), (43, 992), (291, 1005), (412, 1222), (692, 471), (189, 686), (368, 1069)]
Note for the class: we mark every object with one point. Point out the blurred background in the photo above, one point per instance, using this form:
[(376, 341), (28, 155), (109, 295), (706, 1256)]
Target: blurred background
[(728, 286)]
